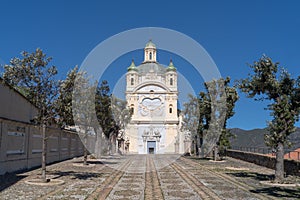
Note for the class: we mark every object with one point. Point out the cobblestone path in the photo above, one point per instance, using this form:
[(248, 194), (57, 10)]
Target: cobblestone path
[(148, 177)]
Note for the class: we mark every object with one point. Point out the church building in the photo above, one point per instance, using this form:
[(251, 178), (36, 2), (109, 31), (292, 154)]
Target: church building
[(152, 95)]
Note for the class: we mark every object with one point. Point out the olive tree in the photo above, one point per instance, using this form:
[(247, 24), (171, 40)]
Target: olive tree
[(191, 119), (206, 115), (64, 101), (35, 79), (122, 116), (267, 82), (104, 113)]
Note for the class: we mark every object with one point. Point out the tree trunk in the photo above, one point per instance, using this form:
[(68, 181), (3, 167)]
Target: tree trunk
[(44, 153), (112, 144), (216, 153), (85, 149), (279, 168), (85, 156), (98, 144), (199, 145), (201, 149), (195, 147)]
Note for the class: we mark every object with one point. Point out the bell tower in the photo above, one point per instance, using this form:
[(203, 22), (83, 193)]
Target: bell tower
[(150, 52), (132, 76), (171, 77)]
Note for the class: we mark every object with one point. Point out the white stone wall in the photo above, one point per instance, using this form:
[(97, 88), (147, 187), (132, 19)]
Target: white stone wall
[(21, 145), (15, 106)]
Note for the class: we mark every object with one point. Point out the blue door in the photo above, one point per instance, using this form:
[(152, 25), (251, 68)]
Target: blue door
[(151, 147)]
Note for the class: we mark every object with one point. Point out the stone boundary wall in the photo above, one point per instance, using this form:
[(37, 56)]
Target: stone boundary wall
[(291, 167), (21, 145)]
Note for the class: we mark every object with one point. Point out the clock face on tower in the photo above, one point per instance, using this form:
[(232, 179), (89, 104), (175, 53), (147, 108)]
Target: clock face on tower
[(151, 107)]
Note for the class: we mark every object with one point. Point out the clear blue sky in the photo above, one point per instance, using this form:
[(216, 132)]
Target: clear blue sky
[(234, 33)]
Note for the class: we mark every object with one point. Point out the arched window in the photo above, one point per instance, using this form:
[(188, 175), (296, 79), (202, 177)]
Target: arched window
[(170, 108), (171, 81), (150, 56), (132, 81)]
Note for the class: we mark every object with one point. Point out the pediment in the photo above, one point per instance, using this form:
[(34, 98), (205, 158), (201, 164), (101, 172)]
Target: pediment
[(151, 88)]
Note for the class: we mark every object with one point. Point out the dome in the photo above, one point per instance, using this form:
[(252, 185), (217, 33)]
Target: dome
[(150, 44), (171, 67), (132, 66), (151, 67)]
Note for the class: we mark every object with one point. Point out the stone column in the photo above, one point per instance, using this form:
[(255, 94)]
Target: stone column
[(176, 147), (145, 144)]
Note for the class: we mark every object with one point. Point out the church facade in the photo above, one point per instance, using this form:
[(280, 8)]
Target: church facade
[(152, 95)]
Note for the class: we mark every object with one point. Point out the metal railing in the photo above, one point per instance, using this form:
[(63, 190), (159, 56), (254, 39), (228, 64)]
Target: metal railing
[(294, 155), (261, 150)]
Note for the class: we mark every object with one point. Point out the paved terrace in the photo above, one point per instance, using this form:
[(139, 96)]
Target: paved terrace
[(148, 177)]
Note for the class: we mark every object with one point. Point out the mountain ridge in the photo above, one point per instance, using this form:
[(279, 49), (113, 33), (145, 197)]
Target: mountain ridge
[(255, 138)]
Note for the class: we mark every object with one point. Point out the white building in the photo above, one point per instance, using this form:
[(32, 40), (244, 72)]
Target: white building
[(151, 94)]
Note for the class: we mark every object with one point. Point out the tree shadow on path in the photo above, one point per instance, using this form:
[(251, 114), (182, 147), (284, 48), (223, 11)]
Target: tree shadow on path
[(9, 179), (279, 192), (76, 175), (252, 175)]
